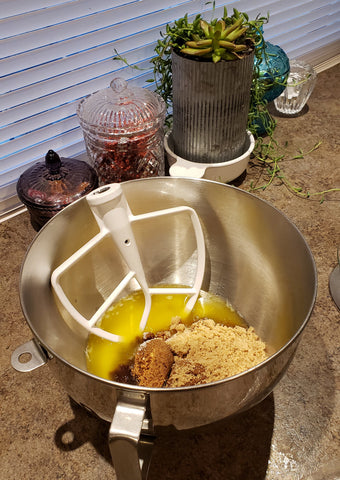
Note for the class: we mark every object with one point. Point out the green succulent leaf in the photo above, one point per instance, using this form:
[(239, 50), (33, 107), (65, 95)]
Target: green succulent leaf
[(197, 51), (238, 32), (236, 24), (205, 27), (229, 45)]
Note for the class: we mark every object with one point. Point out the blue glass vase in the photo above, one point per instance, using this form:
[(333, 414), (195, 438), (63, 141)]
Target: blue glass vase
[(273, 70)]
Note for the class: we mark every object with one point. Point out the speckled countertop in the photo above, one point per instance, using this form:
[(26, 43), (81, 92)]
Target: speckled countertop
[(289, 436)]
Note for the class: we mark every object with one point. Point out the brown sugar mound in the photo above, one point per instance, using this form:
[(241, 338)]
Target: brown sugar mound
[(203, 352), (153, 362), (208, 351), (185, 373)]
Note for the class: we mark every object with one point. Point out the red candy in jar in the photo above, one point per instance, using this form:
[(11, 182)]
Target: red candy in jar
[(123, 132)]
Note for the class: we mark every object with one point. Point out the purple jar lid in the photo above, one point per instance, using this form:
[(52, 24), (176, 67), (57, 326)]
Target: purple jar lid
[(47, 187)]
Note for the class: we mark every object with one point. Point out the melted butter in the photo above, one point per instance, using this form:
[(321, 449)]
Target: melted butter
[(123, 318)]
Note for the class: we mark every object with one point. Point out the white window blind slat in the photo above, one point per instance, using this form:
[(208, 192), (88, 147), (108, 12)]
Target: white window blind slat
[(30, 109), (143, 44), (300, 35), (6, 147), (306, 51), (307, 39), (280, 30), (54, 32), (17, 7), (86, 10), (59, 98), (55, 52), (33, 151), (57, 83), (100, 45), (22, 143), (22, 127)]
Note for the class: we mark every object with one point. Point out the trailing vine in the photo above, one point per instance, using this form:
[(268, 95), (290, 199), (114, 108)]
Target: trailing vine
[(268, 158)]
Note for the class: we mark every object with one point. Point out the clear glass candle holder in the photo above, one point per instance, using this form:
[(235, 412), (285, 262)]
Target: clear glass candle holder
[(300, 84)]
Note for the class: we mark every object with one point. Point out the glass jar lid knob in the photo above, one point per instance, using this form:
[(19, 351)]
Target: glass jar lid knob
[(118, 85), (52, 162)]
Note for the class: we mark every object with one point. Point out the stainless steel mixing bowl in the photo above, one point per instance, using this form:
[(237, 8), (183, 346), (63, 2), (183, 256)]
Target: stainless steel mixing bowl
[(256, 258)]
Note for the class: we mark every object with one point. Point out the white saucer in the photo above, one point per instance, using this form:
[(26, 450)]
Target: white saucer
[(221, 172)]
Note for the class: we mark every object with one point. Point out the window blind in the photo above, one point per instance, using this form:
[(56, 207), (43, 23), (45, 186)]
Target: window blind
[(54, 52)]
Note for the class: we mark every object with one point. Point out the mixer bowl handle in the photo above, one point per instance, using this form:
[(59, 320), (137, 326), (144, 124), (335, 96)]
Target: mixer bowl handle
[(130, 448)]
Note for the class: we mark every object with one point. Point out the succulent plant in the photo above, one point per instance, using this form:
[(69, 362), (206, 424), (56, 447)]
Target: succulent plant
[(219, 41), (226, 39)]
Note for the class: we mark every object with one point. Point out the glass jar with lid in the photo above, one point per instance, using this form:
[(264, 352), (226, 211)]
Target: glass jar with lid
[(47, 187), (123, 132)]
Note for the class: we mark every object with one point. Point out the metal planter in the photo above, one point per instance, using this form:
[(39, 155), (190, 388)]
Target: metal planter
[(210, 108)]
